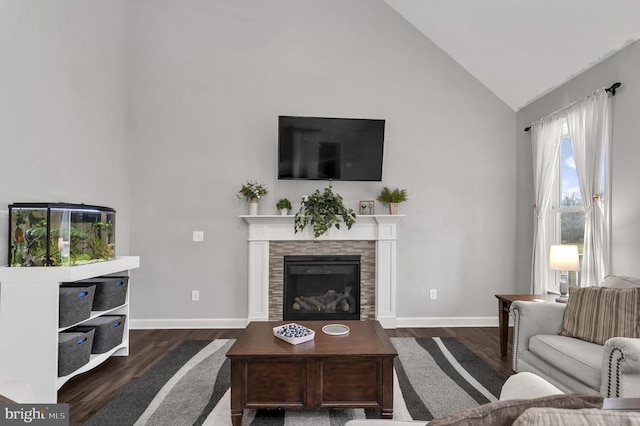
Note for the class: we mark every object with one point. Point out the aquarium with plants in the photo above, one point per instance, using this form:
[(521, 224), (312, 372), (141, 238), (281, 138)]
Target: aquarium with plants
[(59, 234)]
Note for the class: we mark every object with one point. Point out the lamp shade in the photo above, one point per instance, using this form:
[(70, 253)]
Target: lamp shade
[(564, 258)]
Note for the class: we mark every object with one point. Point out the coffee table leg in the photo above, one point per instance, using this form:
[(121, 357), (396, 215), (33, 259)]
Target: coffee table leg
[(236, 392), (387, 389), (236, 418)]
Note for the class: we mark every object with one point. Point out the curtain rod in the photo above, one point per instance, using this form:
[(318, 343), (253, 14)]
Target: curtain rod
[(611, 90)]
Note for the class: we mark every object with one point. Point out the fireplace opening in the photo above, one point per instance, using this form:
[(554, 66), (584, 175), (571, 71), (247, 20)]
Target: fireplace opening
[(321, 288)]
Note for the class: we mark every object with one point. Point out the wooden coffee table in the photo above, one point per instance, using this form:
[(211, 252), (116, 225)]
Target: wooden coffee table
[(350, 371)]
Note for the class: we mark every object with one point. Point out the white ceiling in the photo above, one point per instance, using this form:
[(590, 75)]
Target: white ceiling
[(523, 49)]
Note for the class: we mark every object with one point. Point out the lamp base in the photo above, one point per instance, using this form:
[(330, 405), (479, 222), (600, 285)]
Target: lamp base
[(564, 287), (562, 299)]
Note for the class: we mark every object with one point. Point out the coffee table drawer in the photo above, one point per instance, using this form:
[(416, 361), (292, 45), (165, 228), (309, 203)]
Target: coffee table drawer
[(345, 381), (275, 383)]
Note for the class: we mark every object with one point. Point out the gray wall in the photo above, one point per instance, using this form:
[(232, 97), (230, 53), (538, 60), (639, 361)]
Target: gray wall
[(64, 107), (166, 125), (210, 79), (625, 229)]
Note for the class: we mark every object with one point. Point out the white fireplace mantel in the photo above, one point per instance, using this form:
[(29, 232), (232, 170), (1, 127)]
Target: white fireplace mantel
[(379, 228)]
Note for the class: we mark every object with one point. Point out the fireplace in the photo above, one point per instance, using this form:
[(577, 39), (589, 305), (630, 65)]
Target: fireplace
[(271, 237), (321, 288)]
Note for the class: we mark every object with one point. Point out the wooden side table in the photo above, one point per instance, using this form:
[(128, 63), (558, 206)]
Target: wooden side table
[(504, 303)]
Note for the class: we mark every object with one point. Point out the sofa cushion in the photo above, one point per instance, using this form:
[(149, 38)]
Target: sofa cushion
[(619, 281), (596, 314), (576, 358), (505, 412), (545, 416)]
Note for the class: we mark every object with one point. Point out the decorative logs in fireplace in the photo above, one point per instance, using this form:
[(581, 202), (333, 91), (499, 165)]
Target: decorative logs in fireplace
[(331, 301)]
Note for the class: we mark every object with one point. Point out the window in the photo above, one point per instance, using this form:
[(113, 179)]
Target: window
[(560, 216), (567, 208)]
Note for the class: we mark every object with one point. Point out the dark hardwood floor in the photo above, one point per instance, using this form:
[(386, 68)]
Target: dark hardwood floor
[(86, 393)]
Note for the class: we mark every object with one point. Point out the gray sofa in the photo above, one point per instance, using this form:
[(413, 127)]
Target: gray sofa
[(573, 365)]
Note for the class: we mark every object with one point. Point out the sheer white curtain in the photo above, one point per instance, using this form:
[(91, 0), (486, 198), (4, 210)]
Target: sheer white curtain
[(589, 124), (545, 138)]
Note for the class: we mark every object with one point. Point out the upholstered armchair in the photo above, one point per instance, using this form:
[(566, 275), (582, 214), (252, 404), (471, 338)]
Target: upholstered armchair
[(571, 350)]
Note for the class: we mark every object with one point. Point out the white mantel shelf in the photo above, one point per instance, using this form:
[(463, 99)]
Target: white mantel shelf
[(379, 228)]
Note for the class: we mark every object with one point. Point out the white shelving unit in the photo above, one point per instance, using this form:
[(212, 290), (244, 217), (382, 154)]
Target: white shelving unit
[(29, 299)]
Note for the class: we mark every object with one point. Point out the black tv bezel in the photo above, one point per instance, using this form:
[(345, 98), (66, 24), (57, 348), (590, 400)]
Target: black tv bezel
[(333, 118)]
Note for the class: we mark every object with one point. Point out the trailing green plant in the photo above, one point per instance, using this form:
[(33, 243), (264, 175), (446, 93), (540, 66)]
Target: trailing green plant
[(253, 190), (322, 210), (387, 196), (284, 203)]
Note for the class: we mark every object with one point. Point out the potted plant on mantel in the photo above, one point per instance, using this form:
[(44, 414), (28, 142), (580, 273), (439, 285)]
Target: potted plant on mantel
[(284, 205), (252, 191), (392, 198), (322, 210)]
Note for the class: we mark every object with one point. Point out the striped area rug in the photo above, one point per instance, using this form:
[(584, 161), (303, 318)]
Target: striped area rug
[(190, 386)]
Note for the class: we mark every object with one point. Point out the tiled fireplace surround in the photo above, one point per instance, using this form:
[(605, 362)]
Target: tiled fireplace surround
[(366, 250), (371, 237)]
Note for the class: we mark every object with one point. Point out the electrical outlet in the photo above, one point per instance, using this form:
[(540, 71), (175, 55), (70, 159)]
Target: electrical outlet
[(198, 236), (195, 296), (433, 295)]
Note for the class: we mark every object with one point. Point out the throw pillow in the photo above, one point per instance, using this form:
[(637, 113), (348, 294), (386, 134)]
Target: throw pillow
[(506, 412), (619, 281), (596, 314)]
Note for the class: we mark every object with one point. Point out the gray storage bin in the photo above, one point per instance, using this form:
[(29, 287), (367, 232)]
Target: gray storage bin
[(109, 331), (75, 304), (74, 351), (111, 292)]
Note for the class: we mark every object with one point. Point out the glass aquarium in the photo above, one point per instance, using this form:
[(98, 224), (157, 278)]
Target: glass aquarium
[(58, 234)]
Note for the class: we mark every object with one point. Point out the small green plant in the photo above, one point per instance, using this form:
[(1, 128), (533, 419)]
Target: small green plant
[(284, 203), (387, 196), (322, 210), (252, 190)]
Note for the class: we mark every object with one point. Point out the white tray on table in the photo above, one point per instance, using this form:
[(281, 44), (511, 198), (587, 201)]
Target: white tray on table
[(294, 333)]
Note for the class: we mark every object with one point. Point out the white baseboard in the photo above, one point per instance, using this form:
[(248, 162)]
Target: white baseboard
[(222, 323), (218, 323), (427, 322)]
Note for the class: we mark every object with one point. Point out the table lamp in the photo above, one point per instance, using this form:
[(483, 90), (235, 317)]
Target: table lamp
[(564, 258)]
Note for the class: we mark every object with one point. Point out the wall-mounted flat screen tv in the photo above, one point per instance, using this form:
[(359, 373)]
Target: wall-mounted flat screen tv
[(330, 148)]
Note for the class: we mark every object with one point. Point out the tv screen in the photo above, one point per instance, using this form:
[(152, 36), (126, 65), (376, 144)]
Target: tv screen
[(330, 148)]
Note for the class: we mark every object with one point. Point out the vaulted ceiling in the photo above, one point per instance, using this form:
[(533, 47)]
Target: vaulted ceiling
[(523, 49)]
